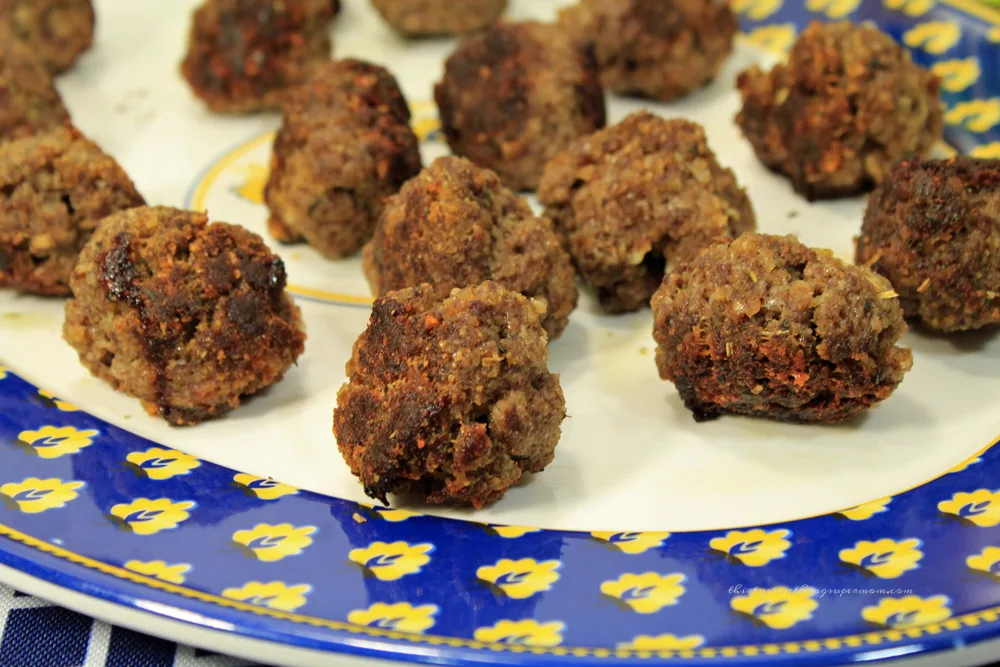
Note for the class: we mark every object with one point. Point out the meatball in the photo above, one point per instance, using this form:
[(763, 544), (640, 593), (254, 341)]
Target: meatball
[(243, 54), (847, 106), (639, 195), (932, 228), (652, 48), (767, 327), (418, 18), (514, 95), (30, 100), (450, 400), (456, 225), (56, 31), (186, 316), (345, 145), (54, 189)]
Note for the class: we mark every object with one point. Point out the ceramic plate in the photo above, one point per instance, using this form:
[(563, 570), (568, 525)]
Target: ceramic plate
[(650, 537)]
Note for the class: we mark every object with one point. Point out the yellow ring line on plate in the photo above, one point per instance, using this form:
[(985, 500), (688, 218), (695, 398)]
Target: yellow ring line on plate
[(955, 623)]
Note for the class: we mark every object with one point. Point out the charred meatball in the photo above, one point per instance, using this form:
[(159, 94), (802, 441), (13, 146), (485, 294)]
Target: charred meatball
[(657, 49), (933, 229), (846, 107), (344, 146), (456, 225), (56, 31), (514, 95), (634, 197), (54, 189), (418, 18), (30, 102), (766, 327), (450, 400), (186, 316), (243, 54)]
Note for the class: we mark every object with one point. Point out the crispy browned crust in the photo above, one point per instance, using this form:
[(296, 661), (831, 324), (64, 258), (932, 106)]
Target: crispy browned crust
[(55, 31), (243, 54), (514, 95), (345, 144), (450, 400), (456, 225), (54, 189), (655, 49), (933, 229), (186, 316), (31, 102), (766, 327), (846, 107), (422, 18), (629, 199)]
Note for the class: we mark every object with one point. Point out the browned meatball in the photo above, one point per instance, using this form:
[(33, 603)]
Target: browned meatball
[(243, 54), (450, 400), (56, 31), (658, 49), (345, 144), (766, 327), (29, 101), (634, 197), (418, 18), (933, 229), (186, 316), (514, 95), (54, 189), (846, 107), (456, 225)]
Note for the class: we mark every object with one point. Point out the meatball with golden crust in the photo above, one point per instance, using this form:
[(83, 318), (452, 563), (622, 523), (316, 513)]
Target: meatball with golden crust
[(345, 145), (456, 225), (243, 54), (514, 95), (187, 316), (451, 400), (420, 18), (30, 101), (767, 327), (933, 229), (631, 199), (56, 31), (847, 106), (55, 188), (656, 49)]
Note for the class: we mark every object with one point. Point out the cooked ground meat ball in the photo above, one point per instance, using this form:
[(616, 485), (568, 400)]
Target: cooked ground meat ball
[(56, 31), (456, 225), (639, 195), (450, 400), (767, 327), (30, 102), (439, 17), (54, 189), (933, 229), (186, 316), (655, 49), (514, 95), (846, 107), (243, 54), (345, 145)]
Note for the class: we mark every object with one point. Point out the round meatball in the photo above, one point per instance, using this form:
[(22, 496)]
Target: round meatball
[(655, 49), (54, 189), (345, 145), (933, 229), (456, 225), (31, 102), (243, 54), (846, 107), (186, 316), (634, 197), (418, 18), (450, 400), (56, 31), (514, 95), (767, 327)]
